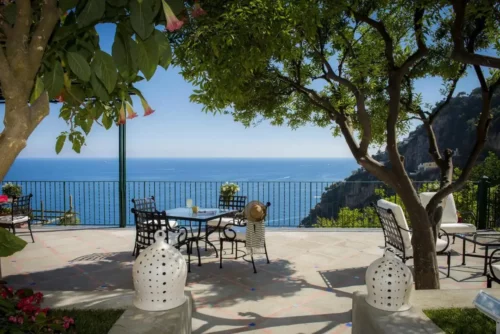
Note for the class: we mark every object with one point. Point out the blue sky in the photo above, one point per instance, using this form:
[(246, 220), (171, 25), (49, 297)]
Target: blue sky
[(179, 128)]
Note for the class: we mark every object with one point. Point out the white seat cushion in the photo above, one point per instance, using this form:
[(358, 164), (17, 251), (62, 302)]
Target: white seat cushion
[(496, 270), (223, 223), (440, 247), (16, 220), (450, 215), (172, 223), (458, 228), (400, 219)]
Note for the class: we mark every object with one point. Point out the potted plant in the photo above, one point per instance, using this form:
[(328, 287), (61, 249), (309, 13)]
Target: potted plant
[(12, 190), (5, 211), (228, 190)]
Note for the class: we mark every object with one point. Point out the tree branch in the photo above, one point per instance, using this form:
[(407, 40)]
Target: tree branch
[(419, 36), (459, 52), (6, 76), (48, 20), (16, 44), (380, 27)]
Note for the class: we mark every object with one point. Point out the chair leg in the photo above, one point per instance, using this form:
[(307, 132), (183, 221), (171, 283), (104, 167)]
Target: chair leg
[(267, 256), (236, 254), (133, 252), (253, 264), (13, 229), (221, 246), (206, 240), (31, 232), (199, 255), (453, 238), (449, 263), (232, 248), (189, 256), (488, 281)]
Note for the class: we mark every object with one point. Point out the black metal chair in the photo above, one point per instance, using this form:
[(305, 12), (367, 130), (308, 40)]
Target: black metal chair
[(147, 204), (238, 236), (233, 203), (397, 236), (494, 272), (21, 213), (147, 223)]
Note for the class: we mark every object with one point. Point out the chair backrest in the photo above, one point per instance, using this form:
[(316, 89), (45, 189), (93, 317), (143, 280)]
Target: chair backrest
[(394, 224), (147, 223), (21, 205), (233, 203), (145, 204), (450, 215)]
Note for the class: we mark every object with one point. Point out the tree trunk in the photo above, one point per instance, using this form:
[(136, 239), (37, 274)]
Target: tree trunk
[(20, 120), (423, 242)]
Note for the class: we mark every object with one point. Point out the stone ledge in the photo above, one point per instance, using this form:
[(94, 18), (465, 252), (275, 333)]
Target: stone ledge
[(367, 319)]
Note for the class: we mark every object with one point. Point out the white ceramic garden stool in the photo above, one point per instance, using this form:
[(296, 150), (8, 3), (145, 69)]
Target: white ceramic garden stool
[(159, 273), (389, 283)]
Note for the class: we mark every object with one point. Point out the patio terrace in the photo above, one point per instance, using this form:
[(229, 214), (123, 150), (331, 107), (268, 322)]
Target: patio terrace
[(307, 288)]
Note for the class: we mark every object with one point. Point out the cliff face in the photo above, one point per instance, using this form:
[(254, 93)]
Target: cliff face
[(455, 129)]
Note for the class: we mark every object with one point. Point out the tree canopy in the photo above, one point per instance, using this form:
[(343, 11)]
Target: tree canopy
[(352, 66), (50, 50)]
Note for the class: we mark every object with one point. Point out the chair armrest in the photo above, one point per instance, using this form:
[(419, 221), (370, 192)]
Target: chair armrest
[(228, 232), (491, 261), (441, 233)]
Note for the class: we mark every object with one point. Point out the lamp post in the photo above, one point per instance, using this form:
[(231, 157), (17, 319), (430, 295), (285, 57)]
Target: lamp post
[(122, 175)]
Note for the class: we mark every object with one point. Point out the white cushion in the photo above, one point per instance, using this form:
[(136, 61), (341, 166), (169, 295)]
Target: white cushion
[(458, 228), (16, 220), (224, 222), (172, 223), (496, 269), (440, 247), (450, 215), (400, 219)]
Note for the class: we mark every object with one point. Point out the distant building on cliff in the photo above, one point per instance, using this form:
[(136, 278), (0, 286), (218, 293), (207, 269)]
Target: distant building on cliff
[(425, 166)]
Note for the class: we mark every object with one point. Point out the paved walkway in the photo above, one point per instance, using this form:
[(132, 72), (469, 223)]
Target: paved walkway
[(307, 288)]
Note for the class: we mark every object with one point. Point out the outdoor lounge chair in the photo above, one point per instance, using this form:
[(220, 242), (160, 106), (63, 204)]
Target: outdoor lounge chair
[(147, 204), (449, 221), (494, 266), (21, 213), (246, 232), (397, 235)]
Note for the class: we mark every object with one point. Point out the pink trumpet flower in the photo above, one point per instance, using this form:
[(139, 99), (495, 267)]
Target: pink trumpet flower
[(197, 10), (130, 111), (147, 109), (173, 23), (121, 117)]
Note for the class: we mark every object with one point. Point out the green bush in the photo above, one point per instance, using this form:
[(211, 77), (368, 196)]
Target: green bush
[(11, 190)]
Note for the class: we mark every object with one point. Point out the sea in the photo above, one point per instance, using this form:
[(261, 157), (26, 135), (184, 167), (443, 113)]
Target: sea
[(183, 169), (89, 187)]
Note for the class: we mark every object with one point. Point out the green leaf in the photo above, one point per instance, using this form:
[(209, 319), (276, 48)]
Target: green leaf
[(91, 13), (141, 17), (86, 126), (79, 66), (60, 143), (9, 243), (37, 90), (176, 5), (7, 306), (67, 4), (125, 55), (106, 121), (164, 49), (149, 57), (98, 88), (117, 3), (105, 69), (54, 80)]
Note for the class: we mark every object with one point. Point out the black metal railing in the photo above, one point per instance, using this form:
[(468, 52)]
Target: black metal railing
[(308, 204)]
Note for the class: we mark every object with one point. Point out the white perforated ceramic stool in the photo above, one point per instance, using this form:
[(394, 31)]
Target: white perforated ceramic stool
[(389, 283), (160, 273)]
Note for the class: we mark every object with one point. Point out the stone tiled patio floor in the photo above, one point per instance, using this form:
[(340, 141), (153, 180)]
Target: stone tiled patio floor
[(307, 288)]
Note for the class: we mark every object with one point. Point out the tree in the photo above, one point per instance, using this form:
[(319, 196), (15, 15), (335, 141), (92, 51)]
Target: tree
[(349, 65), (49, 50)]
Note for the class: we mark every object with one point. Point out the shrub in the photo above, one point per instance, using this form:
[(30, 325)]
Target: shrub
[(20, 312), (11, 190)]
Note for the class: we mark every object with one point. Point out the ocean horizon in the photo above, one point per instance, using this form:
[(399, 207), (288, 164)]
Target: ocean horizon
[(182, 169)]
